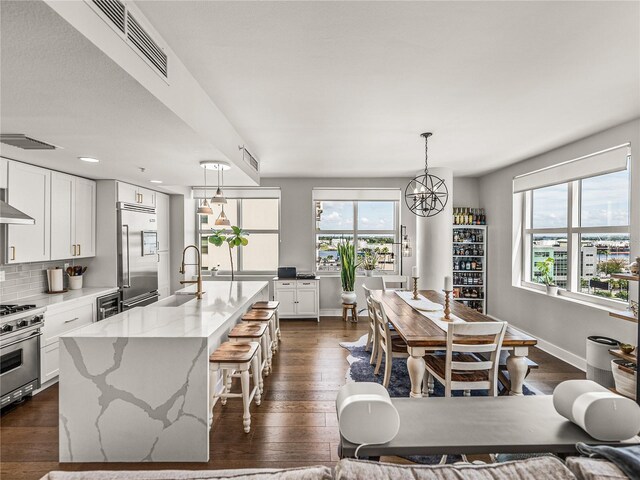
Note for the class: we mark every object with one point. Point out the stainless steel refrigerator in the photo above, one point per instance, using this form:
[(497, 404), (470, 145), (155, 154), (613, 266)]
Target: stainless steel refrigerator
[(137, 255)]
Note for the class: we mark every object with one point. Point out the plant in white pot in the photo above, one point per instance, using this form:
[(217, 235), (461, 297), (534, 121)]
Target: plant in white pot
[(546, 272), (369, 262), (348, 266)]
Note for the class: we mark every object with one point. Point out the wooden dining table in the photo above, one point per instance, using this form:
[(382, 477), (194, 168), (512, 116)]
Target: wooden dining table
[(423, 335)]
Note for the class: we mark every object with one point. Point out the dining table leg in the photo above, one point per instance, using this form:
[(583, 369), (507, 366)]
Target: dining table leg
[(416, 367), (517, 368)]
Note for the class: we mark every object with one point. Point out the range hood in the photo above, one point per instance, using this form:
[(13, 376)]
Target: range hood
[(12, 215)]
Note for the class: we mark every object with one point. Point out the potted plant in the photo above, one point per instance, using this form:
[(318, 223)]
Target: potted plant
[(369, 262), (348, 265), (546, 272), (237, 238)]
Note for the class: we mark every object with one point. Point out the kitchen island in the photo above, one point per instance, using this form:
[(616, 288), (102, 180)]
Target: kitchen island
[(135, 387)]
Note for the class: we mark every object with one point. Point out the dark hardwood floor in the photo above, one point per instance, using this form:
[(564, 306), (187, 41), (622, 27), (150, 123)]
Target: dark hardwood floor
[(294, 426)]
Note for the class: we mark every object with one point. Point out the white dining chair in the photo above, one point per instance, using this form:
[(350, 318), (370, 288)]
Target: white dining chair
[(390, 346), (394, 282), (372, 336), (472, 358)]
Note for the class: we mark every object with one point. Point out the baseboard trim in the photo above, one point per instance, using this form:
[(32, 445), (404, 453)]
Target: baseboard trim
[(558, 352), (330, 312)]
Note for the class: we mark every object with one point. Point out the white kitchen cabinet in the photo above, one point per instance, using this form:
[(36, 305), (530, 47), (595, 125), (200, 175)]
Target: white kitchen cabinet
[(4, 170), (85, 217), (59, 320), (49, 362), (133, 194), (298, 298), (73, 217), (28, 190), (164, 274), (163, 221)]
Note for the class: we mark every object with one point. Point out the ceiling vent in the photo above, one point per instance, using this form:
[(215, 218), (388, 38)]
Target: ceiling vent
[(114, 10), (250, 159), (150, 49), (119, 16), (20, 140)]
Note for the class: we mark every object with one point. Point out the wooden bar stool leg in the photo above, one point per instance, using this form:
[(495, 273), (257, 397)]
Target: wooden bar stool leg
[(257, 378), (246, 416), (213, 380), (225, 374), (265, 355)]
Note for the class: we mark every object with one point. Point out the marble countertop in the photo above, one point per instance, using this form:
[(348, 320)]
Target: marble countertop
[(170, 318), (49, 300)]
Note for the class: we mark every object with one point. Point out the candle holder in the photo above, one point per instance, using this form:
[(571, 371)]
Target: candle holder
[(415, 288), (447, 305)]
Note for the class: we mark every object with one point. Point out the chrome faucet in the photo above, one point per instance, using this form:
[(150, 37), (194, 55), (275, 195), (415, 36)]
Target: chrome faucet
[(199, 292)]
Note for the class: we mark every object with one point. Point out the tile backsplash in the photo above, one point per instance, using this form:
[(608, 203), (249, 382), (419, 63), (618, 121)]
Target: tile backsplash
[(26, 279)]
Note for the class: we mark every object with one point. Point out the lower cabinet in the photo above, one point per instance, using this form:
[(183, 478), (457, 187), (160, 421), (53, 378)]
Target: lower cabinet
[(59, 320), (298, 298)]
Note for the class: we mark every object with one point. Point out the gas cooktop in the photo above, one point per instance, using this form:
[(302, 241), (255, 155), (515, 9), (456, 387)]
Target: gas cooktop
[(11, 309)]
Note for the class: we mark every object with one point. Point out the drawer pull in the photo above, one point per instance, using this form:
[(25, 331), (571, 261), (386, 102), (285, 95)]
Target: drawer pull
[(72, 320), (13, 253)]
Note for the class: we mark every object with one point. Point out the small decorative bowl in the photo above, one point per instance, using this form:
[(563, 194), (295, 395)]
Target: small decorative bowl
[(626, 348)]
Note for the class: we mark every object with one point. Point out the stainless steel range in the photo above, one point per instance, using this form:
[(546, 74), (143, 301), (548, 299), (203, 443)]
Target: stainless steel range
[(19, 351)]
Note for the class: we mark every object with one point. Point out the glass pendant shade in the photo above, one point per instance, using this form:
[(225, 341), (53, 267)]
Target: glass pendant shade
[(222, 219), (218, 198), (204, 209)]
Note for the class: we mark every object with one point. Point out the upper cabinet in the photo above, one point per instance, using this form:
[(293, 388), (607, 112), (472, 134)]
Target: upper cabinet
[(28, 190), (162, 213), (133, 194), (73, 217)]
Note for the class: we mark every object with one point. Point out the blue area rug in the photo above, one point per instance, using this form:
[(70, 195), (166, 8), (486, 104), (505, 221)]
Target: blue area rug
[(399, 386)]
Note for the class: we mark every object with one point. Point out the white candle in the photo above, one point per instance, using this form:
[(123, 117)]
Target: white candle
[(448, 284), (414, 271)]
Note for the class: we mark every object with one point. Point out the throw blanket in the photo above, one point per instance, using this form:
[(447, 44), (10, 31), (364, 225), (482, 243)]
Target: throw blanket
[(626, 459)]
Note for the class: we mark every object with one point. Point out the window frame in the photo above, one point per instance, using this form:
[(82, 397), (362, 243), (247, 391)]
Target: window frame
[(355, 232), (239, 267), (573, 232)]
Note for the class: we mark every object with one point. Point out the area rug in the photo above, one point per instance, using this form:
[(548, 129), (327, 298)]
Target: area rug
[(400, 384), (361, 370)]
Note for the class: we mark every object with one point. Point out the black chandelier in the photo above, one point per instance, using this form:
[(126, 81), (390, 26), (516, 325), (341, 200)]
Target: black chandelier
[(426, 195)]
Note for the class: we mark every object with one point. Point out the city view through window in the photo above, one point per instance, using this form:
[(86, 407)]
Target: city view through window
[(601, 228), (372, 224)]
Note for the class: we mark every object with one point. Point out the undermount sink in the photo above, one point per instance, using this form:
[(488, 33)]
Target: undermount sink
[(175, 300)]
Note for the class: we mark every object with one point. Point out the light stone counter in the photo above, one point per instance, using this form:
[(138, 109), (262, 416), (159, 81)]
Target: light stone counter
[(135, 387)]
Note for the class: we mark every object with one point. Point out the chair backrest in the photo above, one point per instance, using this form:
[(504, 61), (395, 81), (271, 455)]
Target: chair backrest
[(382, 324), (484, 338), (394, 282), (367, 296)]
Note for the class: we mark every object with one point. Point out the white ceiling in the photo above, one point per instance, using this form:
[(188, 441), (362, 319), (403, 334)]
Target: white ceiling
[(56, 86), (345, 88)]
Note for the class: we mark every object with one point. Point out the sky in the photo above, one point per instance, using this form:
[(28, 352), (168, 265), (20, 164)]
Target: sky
[(605, 202), (371, 216)]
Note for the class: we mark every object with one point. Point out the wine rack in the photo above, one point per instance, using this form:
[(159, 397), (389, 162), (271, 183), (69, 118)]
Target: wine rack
[(470, 266)]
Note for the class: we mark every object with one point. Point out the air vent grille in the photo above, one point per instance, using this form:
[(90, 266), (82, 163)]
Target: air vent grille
[(150, 49), (114, 10), (250, 159), (20, 140)]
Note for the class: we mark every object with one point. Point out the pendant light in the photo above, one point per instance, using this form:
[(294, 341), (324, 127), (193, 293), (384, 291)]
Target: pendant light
[(204, 208), (222, 219), (426, 195), (218, 198)]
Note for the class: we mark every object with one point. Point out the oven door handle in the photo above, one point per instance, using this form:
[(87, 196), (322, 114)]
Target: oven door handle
[(33, 335)]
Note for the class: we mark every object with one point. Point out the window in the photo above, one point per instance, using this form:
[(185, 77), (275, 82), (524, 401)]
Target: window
[(260, 218), (583, 224), (370, 224)]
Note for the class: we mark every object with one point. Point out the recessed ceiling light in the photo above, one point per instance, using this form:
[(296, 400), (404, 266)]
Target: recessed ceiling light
[(155, 181), (89, 159)]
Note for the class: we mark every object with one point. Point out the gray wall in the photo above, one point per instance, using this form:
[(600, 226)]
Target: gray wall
[(297, 224), (466, 192), (559, 322)]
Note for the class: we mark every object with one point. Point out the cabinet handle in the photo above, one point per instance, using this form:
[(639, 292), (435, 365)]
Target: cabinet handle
[(13, 253), (72, 320), (74, 250), (141, 198), (79, 251)]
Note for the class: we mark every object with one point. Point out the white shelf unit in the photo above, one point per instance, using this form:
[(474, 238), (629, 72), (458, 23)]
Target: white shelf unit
[(469, 263)]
